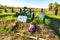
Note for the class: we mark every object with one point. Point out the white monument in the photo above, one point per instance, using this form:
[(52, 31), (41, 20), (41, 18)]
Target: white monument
[(42, 16), (22, 18)]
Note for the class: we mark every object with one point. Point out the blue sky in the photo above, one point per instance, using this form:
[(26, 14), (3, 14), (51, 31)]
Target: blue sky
[(28, 3)]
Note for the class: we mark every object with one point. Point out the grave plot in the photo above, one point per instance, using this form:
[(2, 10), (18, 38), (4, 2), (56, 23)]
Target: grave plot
[(43, 31)]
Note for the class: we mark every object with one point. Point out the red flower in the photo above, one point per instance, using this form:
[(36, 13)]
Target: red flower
[(32, 27)]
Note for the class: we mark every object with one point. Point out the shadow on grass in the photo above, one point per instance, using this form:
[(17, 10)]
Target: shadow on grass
[(54, 27)]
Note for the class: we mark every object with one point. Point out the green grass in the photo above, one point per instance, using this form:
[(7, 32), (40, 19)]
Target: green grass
[(6, 13), (52, 26), (49, 15), (52, 15)]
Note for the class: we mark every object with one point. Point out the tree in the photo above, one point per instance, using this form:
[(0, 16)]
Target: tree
[(1, 6), (50, 6), (55, 6)]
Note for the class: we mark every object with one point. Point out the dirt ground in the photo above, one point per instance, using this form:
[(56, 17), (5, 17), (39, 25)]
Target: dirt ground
[(42, 31)]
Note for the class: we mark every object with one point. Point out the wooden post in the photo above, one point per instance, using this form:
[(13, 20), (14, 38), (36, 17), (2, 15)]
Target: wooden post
[(20, 10), (30, 10), (32, 15), (12, 10), (0, 11), (5, 9)]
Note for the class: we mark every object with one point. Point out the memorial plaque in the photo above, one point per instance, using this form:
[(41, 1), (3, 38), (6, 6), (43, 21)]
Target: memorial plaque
[(22, 18)]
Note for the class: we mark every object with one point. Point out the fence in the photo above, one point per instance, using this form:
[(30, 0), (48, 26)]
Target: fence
[(18, 10)]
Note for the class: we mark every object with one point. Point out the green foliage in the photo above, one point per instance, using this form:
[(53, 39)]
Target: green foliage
[(22, 36), (29, 15), (21, 26), (37, 20), (2, 28), (59, 6), (29, 20), (51, 25), (8, 17), (55, 5), (1, 6), (50, 6), (48, 21), (9, 30)]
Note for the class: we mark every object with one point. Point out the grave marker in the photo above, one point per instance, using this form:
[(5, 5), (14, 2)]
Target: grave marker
[(56, 11), (42, 15), (22, 18), (32, 15)]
